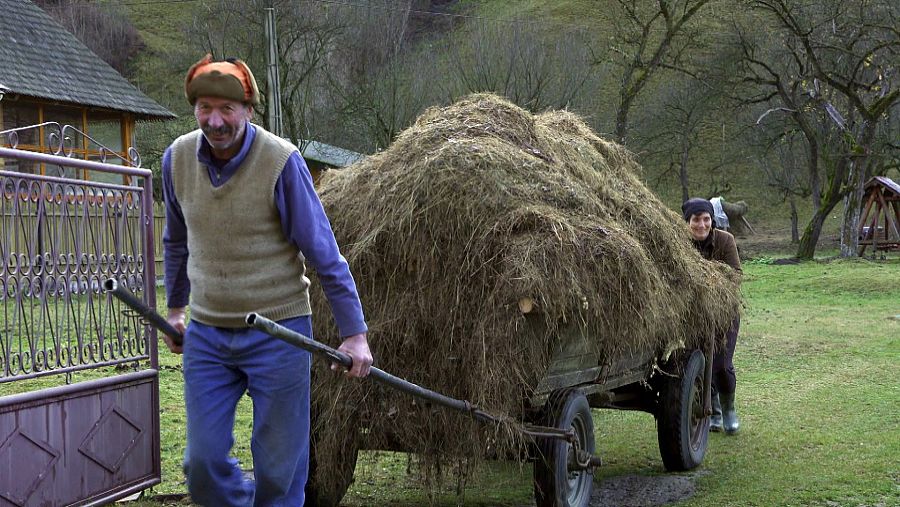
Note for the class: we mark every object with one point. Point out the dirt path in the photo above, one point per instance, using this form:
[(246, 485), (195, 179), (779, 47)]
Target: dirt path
[(642, 491)]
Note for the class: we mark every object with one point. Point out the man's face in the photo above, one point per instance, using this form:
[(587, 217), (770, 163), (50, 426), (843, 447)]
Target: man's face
[(223, 122), (701, 224)]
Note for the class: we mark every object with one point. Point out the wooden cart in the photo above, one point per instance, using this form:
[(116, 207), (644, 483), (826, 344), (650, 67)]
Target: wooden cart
[(670, 384)]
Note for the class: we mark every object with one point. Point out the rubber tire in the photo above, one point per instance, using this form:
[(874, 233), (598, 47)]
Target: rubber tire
[(553, 485), (330, 493), (681, 426)]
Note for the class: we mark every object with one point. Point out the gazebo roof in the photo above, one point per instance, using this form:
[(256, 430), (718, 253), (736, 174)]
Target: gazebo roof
[(39, 58), (885, 182)]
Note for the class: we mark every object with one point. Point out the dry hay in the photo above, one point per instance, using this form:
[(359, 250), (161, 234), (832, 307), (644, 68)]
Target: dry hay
[(475, 207)]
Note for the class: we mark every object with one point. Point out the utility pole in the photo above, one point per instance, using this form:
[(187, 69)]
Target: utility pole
[(274, 81)]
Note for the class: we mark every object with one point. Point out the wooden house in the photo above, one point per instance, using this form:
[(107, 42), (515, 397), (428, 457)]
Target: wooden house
[(321, 157), (49, 78)]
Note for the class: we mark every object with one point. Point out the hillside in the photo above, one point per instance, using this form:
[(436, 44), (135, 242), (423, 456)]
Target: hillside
[(438, 28)]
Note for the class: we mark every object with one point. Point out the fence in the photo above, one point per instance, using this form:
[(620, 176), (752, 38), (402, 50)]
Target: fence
[(59, 240), (95, 440)]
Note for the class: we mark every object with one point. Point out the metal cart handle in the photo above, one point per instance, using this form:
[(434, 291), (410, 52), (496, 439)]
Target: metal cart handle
[(148, 314), (304, 342)]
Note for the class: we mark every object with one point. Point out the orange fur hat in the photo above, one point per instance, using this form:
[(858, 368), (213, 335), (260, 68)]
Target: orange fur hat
[(230, 79)]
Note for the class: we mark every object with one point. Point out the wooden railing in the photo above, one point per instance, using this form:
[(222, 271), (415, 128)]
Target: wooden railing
[(159, 223)]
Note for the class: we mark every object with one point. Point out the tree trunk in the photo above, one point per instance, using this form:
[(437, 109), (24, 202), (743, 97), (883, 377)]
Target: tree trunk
[(683, 174), (834, 193), (795, 228), (807, 248), (622, 118), (853, 199), (815, 184), (852, 206)]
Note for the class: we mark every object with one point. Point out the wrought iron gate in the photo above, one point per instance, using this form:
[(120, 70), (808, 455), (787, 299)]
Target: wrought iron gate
[(93, 435)]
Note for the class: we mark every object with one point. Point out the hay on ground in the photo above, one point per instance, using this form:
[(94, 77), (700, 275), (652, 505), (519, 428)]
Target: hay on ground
[(474, 208)]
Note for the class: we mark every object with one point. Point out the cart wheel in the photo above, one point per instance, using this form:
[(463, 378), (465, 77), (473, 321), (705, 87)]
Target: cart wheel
[(554, 484), (329, 491), (681, 425)]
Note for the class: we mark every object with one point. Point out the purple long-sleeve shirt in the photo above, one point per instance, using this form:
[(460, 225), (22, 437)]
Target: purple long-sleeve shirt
[(303, 222)]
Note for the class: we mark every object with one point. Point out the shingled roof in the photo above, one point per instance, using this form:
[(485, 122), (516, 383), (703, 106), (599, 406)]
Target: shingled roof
[(328, 154), (39, 58)]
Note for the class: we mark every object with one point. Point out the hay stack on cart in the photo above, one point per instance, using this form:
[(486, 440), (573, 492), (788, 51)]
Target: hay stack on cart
[(479, 240)]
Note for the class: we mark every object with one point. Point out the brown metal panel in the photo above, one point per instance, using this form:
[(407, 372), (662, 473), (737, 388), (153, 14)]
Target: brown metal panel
[(89, 446)]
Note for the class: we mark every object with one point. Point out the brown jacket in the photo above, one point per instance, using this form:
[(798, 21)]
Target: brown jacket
[(720, 246)]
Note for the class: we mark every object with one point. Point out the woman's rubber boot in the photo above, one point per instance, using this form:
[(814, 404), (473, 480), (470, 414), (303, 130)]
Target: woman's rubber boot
[(729, 415), (715, 420)]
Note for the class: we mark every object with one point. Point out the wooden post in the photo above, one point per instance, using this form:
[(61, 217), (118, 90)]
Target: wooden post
[(893, 225), (862, 223), (274, 80)]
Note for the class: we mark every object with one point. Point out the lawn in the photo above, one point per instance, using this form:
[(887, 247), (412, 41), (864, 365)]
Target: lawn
[(818, 396)]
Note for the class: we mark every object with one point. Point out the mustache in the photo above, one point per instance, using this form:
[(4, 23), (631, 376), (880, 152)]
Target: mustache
[(217, 131)]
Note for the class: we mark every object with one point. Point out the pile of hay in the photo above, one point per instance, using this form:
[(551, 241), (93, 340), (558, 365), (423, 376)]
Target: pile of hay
[(475, 207)]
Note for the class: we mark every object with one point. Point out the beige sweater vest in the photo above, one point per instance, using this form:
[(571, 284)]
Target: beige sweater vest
[(239, 260)]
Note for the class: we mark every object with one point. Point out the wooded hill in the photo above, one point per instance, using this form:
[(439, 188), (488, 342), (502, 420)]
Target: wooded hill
[(789, 105)]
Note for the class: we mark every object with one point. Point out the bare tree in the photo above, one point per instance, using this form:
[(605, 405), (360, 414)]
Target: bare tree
[(306, 36), (781, 152), (377, 81), (886, 160), (851, 51), (833, 71), (649, 36), (349, 73), (777, 88), (683, 119), (105, 30), (533, 66)]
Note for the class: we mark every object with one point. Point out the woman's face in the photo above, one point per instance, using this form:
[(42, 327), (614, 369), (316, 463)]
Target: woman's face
[(701, 224)]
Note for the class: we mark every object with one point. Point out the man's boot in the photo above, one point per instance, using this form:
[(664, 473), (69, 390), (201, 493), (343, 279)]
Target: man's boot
[(715, 420), (729, 415)]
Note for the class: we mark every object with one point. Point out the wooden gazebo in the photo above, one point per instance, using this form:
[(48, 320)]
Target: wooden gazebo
[(879, 226), (49, 78)]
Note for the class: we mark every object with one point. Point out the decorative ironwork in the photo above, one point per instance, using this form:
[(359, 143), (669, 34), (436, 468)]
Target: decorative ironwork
[(60, 239), (61, 142)]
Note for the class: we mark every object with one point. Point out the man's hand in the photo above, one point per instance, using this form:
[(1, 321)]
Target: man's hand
[(357, 347), (175, 319)]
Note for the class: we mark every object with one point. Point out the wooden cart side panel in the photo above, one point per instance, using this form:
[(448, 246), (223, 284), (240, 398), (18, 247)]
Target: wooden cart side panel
[(576, 363)]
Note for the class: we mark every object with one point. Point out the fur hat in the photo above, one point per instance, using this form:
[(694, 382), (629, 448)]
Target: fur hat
[(230, 79)]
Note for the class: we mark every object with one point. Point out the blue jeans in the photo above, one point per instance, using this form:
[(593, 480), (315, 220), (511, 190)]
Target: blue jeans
[(219, 366)]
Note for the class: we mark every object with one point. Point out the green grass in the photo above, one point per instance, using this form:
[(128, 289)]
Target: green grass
[(818, 397), (579, 12)]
